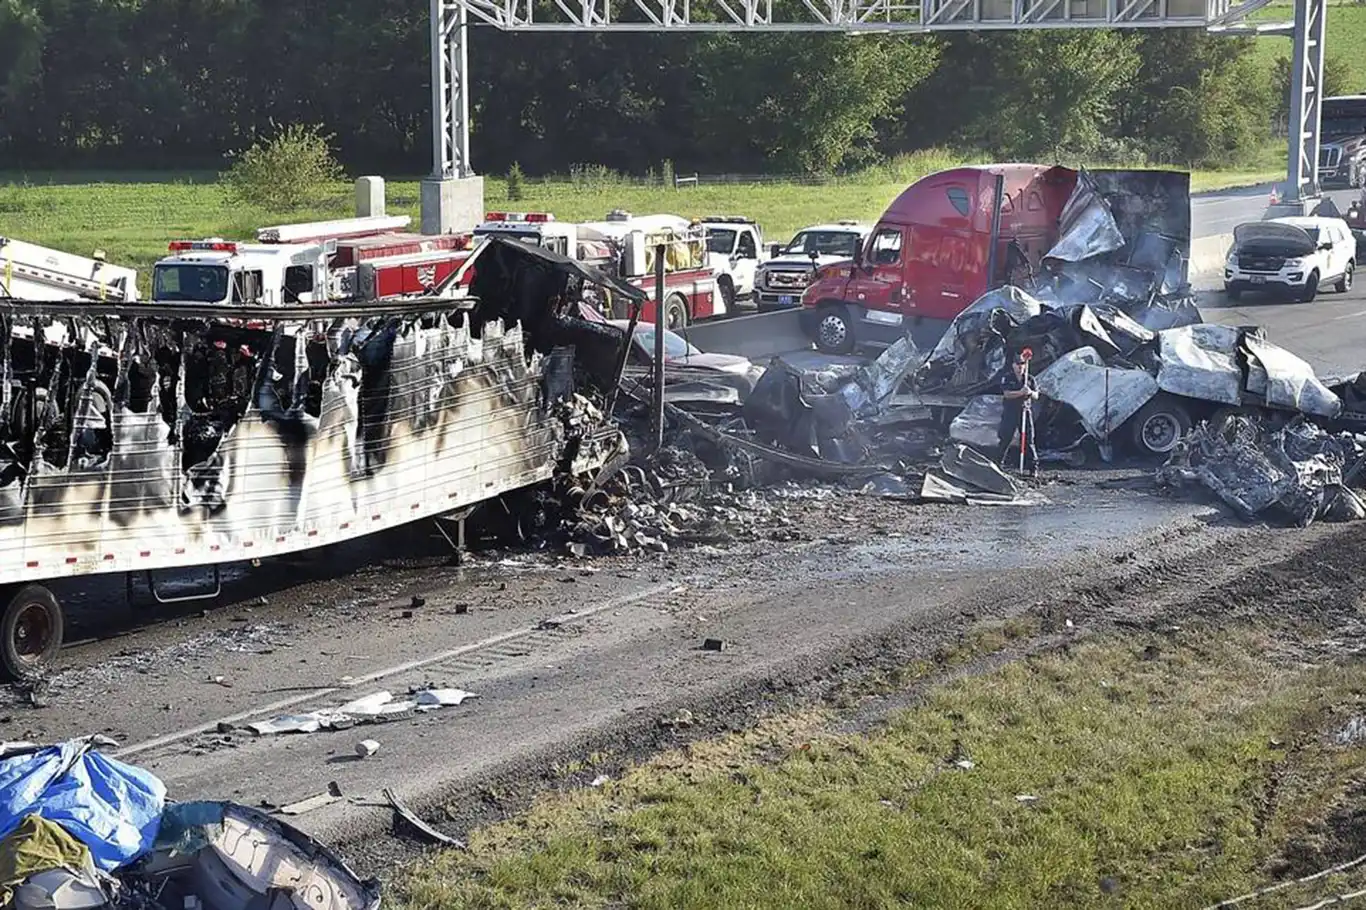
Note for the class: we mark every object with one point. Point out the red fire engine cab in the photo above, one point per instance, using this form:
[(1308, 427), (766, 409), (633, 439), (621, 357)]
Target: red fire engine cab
[(623, 245), (354, 259)]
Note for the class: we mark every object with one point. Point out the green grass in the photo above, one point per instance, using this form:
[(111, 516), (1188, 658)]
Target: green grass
[(1176, 781), (132, 216), (1346, 37)]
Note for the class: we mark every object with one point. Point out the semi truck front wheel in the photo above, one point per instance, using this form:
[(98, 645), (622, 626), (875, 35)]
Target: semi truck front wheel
[(30, 632), (834, 330)]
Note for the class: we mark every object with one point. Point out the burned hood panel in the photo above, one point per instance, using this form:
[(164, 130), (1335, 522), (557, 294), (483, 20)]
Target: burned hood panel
[(1283, 380), (1201, 362)]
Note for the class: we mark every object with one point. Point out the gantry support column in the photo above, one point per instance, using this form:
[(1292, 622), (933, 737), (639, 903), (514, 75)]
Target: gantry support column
[(1306, 103), (453, 197)]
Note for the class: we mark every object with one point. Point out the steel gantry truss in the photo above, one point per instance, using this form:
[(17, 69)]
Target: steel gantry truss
[(451, 19)]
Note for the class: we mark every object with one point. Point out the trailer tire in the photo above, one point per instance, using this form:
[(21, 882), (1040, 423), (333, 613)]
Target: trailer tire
[(675, 312), (30, 632), (1160, 425), (834, 330)]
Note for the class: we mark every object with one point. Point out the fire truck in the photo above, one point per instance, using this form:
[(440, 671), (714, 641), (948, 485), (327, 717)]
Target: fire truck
[(349, 260), (623, 245), (31, 272)]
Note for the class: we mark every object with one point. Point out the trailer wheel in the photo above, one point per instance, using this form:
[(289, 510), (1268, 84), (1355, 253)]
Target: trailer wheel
[(1160, 425), (30, 632), (675, 312)]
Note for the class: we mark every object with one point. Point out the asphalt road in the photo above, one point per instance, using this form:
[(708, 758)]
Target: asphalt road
[(1330, 333), (1220, 213)]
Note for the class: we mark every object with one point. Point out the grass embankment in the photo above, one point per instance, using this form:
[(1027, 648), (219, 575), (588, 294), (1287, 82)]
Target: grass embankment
[(1118, 776), (133, 216), (1345, 37)]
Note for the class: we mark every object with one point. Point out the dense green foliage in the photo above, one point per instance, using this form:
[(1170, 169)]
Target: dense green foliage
[(285, 171), (163, 83)]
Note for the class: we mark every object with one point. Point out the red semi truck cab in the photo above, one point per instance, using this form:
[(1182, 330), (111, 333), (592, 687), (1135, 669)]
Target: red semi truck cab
[(927, 258)]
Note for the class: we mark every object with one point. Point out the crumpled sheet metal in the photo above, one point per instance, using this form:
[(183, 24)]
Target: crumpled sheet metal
[(971, 467), (1018, 305), (1283, 380), (978, 424), (873, 384), (1296, 471), (1087, 226), (1104, 397), (1201, 362)]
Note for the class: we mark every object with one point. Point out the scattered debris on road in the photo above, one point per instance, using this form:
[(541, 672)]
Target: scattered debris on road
[(418, 824), (376, 708), (81, 831)]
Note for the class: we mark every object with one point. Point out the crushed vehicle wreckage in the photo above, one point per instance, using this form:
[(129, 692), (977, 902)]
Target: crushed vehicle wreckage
[(136, 438), (80, 830), (1120, 352)]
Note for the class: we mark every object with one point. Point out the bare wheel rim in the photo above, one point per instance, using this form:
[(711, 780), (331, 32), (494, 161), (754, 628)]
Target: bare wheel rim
[(32, 632), (1160, 433)]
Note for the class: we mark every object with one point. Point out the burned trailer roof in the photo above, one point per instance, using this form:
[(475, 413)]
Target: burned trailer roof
[(175, 436)]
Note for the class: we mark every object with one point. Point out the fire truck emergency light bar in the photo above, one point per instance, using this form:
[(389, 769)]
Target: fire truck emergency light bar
[(215, 246), (528, 217)]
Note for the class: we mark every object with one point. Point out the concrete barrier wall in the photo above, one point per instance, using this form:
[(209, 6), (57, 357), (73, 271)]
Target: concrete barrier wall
[(756, 337), (1208, 255)]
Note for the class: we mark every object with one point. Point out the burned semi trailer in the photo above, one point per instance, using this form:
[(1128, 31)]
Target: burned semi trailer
[(140, 438)]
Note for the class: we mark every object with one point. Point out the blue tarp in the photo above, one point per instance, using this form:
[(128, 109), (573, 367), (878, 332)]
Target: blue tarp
[(112, 808)]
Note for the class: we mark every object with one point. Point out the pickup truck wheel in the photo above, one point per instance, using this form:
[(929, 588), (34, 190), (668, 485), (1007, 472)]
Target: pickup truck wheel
[(727, 287), (675, 312), (1159, 425), (834, 331), (1311, 288), (1345, 282), (30, 632)]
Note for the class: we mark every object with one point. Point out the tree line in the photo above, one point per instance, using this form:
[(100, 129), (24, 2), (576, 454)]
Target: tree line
[(184, 83)]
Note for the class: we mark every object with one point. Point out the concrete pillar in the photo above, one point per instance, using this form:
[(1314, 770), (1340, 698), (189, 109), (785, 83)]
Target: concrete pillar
[(369, 197), (452, 205)]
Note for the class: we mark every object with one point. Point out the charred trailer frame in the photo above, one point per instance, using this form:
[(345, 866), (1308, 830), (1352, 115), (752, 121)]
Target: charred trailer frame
[(145, 437)]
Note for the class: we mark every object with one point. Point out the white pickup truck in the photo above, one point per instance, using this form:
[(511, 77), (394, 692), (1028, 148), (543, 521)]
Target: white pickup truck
[(735, 249), (781, 280)]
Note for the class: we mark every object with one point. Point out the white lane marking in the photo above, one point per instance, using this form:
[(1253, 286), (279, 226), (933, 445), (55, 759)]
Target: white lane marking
[(278, 706), (1350, 315)]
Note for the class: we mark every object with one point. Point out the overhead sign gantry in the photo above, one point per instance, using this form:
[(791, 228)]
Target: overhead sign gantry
[(453, 181)]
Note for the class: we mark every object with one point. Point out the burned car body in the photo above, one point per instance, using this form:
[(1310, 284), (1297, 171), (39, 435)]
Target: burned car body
[(149, 437)]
